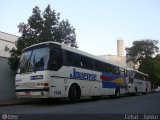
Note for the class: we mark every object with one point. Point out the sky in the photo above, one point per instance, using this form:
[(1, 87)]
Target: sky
[(98, 23)]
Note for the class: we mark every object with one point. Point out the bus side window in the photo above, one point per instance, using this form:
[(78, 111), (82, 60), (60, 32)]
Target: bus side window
[(122, 71), (108, 68), (71, 59), (99, 66), (86, 62), (116, 70)]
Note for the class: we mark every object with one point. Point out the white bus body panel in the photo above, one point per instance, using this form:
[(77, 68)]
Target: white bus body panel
[(60, 82), (140, 85)]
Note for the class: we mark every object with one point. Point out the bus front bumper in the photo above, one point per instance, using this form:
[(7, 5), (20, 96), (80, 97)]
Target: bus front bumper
[(32, 93)]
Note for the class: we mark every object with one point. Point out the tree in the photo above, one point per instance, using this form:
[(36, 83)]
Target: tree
[(42, 27), (143, 53), (142, 50), (152, 68)]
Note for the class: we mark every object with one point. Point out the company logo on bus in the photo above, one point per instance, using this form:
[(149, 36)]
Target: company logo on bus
[(82, 75), (36, 77)]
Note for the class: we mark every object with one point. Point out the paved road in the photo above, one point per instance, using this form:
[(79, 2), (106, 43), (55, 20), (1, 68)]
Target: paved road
[(148, 104)]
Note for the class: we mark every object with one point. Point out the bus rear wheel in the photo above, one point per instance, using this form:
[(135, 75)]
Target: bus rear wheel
[(145, 93), (136, 91), (117, 93)]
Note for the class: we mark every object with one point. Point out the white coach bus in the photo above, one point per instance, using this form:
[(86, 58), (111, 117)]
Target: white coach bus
[(52, 70), (138, 82)]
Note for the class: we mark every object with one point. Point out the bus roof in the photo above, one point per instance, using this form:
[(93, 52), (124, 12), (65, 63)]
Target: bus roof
[(63, 46), (78, 52), (137, 71)]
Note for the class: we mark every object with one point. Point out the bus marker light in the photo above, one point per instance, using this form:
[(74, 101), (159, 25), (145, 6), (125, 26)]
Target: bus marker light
[(45, 84), (42, 84)]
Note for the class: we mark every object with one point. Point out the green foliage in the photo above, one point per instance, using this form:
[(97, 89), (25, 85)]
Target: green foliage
[(42, 27), (143, 53), (14, 59), (141, 50), (151, 66)]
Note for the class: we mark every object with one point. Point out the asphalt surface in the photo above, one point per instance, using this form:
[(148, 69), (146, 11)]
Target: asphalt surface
[(146, 104)]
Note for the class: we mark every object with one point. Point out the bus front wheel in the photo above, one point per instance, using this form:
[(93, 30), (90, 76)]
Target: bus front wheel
[(74, 92)]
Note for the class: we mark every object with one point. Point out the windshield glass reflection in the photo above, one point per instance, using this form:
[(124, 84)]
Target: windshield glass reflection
[(34, 60)]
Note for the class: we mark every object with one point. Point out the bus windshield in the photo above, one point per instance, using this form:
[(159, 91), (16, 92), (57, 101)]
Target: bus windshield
[(34, 60)]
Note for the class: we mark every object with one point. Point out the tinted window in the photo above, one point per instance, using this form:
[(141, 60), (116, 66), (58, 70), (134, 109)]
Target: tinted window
[(86, 62), (39, 59), (99, 65), (122, 71), (108, 68), (71, 59), (34, 59), (23, 63), (116, 70)]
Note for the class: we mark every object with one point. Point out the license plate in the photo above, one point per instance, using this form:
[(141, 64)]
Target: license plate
[(27, 93)]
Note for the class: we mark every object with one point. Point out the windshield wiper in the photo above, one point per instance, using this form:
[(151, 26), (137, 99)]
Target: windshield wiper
[(34, 68)]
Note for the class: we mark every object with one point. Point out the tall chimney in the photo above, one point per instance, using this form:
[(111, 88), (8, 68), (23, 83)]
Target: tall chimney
[(120, 48)]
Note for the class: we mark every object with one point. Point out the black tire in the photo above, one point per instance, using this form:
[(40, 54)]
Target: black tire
[(74, 93), (117, 93), (136, 91), (145, 93)]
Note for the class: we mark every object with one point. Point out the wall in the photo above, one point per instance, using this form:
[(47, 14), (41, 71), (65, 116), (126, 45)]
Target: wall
[(7, 76), (115, 59), (7, 80)]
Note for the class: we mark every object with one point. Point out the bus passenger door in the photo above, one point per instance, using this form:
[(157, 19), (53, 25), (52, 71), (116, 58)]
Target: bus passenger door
[(55, 64), (131, 84), (56, 87)]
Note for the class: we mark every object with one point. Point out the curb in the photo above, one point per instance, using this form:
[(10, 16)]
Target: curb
[(16, 102)]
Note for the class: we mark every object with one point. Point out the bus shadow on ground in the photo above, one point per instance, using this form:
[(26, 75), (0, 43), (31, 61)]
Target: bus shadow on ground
[(53, 102)]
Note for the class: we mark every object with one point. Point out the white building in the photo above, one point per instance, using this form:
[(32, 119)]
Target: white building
[(115, 59), (6, 40), (7, 76), (120, 58)]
